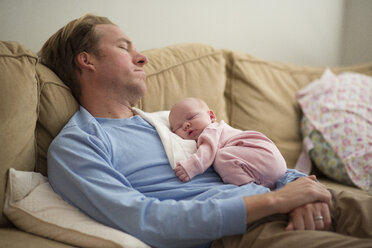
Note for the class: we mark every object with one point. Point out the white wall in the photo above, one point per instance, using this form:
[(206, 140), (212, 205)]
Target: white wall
[(294, 31), (356, 44)]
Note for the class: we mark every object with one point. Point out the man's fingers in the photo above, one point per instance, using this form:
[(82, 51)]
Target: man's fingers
[(319, 221), (289, 226), (308, 217), (312, 177), (297, 219), (327, 220), (312, 216)]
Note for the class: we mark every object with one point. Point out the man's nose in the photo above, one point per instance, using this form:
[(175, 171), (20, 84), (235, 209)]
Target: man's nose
[(140, 59)]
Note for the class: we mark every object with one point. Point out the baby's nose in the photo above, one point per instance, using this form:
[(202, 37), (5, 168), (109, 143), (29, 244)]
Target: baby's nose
[(186, 126)]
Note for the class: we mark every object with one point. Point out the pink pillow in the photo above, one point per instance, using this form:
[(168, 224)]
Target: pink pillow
[(340, 108)]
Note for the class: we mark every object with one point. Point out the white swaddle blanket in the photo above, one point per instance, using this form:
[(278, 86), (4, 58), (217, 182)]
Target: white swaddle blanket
[(175, 147)]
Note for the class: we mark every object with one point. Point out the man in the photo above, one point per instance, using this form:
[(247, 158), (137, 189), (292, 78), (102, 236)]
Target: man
[(110, 163)]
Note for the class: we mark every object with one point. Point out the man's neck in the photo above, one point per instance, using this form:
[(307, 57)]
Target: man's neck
[(107, 108), (110, 113)]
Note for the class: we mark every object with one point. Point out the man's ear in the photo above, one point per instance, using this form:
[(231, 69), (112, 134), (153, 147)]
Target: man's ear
[(212, 116), (84, 61)]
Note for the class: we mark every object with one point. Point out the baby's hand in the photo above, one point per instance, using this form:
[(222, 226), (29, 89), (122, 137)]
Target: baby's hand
[(181, 173)]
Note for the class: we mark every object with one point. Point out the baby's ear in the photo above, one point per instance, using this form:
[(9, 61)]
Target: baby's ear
[(212, 116)]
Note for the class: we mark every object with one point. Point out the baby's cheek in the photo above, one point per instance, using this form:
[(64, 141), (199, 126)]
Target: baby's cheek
[(179, 133)]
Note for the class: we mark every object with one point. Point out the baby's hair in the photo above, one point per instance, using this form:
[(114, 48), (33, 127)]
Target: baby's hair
[(202, 103)]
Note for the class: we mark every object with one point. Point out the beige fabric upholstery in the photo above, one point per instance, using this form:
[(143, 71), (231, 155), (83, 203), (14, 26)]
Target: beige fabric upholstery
[(261, 96), (179, 71), (56, 106), (18, 112), (15, 238), (268, 103)]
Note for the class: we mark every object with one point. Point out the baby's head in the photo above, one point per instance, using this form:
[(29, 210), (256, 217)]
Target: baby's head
[(189, 117)]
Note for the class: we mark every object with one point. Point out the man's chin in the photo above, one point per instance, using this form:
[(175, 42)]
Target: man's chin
[(136, 97)]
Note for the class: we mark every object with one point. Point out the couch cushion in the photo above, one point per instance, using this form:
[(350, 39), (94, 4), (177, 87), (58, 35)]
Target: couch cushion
[(56, 107), (18, 111), (262, 97), (179, 71), (15, 238), (34, 207)]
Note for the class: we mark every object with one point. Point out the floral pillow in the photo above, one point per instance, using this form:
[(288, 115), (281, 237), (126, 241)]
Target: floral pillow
[(337, 126), (322, 154)]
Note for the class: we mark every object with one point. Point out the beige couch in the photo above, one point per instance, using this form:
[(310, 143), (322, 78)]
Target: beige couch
[(247, 92)]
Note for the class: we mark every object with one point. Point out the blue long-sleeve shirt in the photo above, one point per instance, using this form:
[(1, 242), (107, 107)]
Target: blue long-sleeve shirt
[(116, 171)]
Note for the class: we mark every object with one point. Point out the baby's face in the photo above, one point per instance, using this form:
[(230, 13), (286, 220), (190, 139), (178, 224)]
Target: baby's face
[(188, 119)]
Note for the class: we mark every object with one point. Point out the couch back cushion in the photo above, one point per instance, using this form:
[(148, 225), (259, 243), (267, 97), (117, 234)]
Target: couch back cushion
[(18, 112), (261, 97), (56, 107), (185, 70)]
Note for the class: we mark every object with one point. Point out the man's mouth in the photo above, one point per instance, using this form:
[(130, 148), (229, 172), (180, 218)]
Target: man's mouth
[(139, 70), (141, 73)]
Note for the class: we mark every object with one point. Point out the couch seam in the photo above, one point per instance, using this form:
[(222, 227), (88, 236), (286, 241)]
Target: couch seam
[(39, 90), (230, 87), (185, 62), (19, 56), (280, 68), (57, 84)]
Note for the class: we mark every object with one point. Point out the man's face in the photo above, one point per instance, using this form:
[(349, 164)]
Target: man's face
[(118, 65)]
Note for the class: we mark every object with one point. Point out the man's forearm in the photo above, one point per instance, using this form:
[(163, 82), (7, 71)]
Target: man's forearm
[(295, 194), (259, 206)]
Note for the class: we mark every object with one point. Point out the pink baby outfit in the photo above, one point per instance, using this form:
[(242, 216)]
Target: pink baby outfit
[(240, 157)]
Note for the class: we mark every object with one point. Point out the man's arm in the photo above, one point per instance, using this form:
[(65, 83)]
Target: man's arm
[(293, 195)]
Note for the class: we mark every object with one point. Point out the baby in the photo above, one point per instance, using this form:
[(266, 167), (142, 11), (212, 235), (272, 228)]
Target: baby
[(239, 157)]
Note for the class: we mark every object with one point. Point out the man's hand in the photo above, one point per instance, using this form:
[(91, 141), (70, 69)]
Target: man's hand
[(311, 216), (294, 195), (181, 173), (302, 191)]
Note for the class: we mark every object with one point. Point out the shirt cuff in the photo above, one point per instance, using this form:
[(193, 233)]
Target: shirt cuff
[(234, 217)]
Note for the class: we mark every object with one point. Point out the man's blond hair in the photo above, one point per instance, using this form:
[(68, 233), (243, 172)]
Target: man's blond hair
[(60, 51)]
